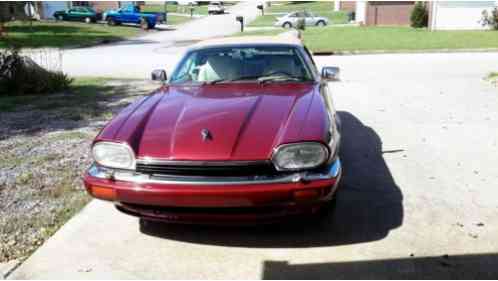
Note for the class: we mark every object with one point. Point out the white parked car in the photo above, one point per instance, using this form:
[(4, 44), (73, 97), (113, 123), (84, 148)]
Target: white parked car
[(290, 20), (216, 8)]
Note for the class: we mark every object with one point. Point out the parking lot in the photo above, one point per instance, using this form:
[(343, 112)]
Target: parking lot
[(418, 198)]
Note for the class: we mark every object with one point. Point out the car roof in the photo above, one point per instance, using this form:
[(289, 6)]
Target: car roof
[(248, 40)]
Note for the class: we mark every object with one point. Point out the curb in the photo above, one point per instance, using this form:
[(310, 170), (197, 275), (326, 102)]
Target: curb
[(8, 267)]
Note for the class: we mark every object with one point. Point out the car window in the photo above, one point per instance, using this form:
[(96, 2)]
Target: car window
[(235, 64), (300, 14), (308, 14)]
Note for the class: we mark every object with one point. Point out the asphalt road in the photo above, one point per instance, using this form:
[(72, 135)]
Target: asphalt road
[(137, 57), (419, 197)]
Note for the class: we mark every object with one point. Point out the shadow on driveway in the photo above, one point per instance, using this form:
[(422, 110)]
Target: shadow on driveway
[(369, 205), (478, 266)]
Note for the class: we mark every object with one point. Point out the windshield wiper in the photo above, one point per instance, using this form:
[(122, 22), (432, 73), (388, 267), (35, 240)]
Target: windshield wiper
[(266, 79), (252, 77)]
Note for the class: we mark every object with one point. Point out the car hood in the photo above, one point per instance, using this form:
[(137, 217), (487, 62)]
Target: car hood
[(242, 121)]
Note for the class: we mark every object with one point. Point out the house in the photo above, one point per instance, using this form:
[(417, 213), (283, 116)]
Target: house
[(12, 10), (347, 6), (448, 15), (443, 15), (47, 8), (384, 12)]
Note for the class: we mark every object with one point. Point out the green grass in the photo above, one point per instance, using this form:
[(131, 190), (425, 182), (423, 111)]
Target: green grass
[(394, 39), (82, 98), (330, 39), (64, 34), (323, 8), (266, 20), (176, 20), (493, 76)]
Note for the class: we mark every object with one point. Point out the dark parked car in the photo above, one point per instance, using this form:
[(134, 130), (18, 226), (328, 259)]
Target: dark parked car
[(244, 132), (85, 14)]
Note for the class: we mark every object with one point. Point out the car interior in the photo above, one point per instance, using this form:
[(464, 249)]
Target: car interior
[(212, 66)]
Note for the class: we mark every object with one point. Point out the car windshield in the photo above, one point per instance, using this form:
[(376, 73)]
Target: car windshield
[(235, 64)]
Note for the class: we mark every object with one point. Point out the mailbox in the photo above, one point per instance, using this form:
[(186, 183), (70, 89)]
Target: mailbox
[(241, 20)]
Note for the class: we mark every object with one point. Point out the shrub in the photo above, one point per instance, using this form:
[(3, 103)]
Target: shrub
[(20, 75), (490, 20), (419, 17)]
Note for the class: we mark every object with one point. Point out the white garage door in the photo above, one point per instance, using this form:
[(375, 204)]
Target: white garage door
[(460, 15), (50, 7)]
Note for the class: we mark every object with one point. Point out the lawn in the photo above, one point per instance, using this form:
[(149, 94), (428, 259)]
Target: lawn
[(176, 20), (331, 39), (45, 143), (65, 34), (395, 39), (323, 8)]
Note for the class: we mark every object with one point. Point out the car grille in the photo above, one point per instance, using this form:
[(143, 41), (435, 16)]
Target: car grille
[(258, 169)]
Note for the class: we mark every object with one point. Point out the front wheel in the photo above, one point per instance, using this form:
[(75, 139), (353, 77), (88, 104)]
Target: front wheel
[(321, 23), (88, 20), (144, 24), (287, 25), (59, 18), (111, 22)]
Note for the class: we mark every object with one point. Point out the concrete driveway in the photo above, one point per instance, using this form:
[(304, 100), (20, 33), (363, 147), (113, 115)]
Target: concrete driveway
[(418, 201)]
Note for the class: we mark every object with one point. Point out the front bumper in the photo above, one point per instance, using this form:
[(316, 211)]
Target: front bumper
[(211, 199)]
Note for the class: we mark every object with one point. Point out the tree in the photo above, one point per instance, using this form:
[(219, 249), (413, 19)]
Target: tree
[(419, 17), (490, 20)]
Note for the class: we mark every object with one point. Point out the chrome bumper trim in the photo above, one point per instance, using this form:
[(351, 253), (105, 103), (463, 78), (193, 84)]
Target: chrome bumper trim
[(129, 176)]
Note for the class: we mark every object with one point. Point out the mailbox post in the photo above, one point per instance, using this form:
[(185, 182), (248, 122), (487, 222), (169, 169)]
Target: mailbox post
[(241, 20), (260, 6)]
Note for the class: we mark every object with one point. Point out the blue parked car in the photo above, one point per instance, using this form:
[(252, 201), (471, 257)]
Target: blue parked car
[(132, 14)]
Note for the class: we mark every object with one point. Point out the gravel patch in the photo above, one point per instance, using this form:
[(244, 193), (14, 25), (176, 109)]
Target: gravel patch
[(44, 152)]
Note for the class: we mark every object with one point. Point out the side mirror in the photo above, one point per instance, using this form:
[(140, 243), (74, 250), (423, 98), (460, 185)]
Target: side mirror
[(159, 75), (330, 73)]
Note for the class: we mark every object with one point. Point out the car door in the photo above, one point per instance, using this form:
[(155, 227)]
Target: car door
[(297, 16), (309, 18), (77, 14), (129, 15), (71, 14)]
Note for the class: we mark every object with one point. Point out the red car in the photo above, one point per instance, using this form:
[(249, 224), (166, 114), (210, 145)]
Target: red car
[(244, 131)]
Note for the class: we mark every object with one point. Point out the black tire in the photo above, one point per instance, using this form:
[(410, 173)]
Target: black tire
[(144, 24), (287, 25), (59, 18), (111, 22), (321, 23)]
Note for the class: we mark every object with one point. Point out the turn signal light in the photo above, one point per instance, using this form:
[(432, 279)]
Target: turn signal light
[(103, 193), (306, 195)]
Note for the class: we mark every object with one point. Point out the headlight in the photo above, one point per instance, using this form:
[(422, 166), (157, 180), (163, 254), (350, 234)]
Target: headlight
[(299, 156), (114, 155)]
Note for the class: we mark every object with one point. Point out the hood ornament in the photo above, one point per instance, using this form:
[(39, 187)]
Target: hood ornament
[(206, 135)]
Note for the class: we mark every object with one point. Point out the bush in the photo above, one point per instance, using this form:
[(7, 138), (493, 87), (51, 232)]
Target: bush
[(490, 20), (419, 17), (20, 75)]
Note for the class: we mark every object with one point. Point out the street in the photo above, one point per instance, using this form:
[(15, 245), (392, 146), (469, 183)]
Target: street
[(136, 58), (418, 198)]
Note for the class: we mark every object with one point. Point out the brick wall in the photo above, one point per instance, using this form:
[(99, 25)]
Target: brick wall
[(102, 6), (348, 6), (389, 12)]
